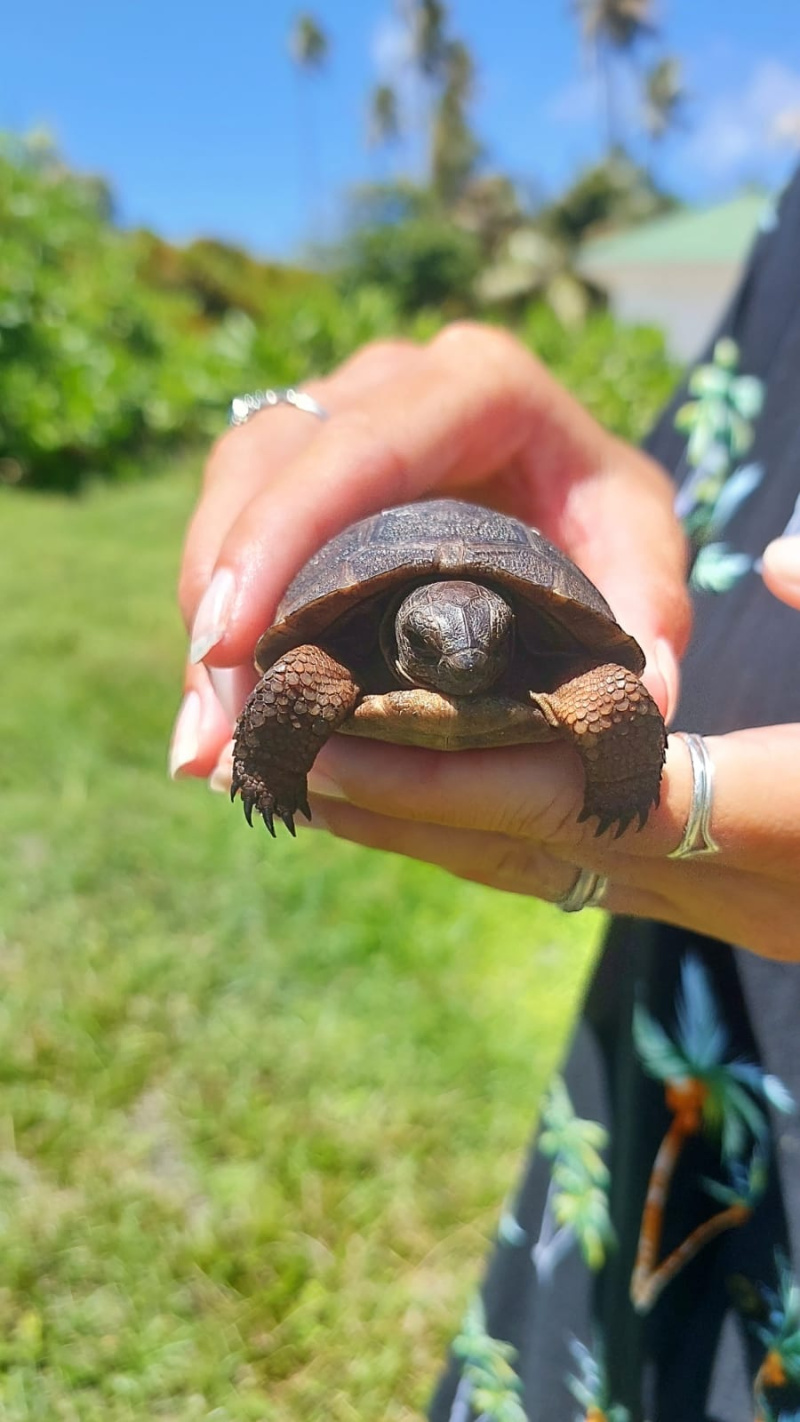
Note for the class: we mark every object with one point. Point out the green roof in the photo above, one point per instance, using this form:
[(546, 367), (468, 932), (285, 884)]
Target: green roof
[(722, 234)]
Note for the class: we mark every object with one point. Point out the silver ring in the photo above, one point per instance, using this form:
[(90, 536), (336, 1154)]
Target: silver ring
[(697, 838), (244, 407), (588, 891)]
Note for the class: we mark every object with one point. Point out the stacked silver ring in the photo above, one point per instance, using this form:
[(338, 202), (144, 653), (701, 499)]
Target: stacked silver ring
[(588, 891), (697, 841), (244, 407)]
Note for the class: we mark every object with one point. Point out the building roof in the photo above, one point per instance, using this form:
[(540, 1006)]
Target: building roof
[(713, 234)]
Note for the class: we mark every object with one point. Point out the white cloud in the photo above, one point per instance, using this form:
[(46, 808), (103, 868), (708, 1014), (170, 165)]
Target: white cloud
[(576, 103), (582, 102), (392, 52), (392, 49), (739, 130)]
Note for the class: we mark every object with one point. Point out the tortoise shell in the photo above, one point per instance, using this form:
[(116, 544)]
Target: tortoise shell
[(387, 554)]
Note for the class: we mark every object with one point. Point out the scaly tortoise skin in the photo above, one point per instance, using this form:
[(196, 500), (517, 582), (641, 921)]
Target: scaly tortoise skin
[(444, 624)]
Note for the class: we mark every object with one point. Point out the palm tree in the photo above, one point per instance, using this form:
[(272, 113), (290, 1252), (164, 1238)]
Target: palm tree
[(428, 31), (590, 1388), (454, 149), (719, 424), (705, 1093), (576, 1209), (664, 96), (308, 43), (384, 116), (309, 48), (781, 1338), (738, 1198), (489, 1387), (609, 28)]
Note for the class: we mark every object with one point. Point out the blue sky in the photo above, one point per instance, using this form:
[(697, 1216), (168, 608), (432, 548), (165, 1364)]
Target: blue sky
[(193, 111)]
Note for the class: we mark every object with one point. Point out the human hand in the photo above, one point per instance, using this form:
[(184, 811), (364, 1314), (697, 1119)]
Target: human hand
[(471, 415), (509, 819), (781, 569)]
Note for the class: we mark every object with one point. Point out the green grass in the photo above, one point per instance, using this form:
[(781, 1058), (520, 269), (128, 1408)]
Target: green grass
[(259, 1103)]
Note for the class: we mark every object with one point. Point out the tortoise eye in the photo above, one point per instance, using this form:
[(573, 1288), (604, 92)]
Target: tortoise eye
[(416, 639)]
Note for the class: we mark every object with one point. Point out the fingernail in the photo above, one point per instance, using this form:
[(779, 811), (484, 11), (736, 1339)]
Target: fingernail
[(220, 780), (186, 735), (317, 821), (211, 618), (321, 784), (225, 682), (782, 557), (667, 664)]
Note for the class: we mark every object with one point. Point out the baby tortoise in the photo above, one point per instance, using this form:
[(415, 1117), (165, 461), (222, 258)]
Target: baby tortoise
[(446, 625)]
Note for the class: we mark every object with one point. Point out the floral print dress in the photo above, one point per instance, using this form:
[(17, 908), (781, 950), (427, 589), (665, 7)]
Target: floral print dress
[(648, 1266)]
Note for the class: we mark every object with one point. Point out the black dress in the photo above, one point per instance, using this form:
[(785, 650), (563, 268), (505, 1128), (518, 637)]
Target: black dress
[(648, 1269)]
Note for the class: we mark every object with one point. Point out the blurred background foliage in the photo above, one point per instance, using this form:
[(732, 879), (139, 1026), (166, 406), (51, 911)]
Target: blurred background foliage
[(260, 1106), (116, 347)]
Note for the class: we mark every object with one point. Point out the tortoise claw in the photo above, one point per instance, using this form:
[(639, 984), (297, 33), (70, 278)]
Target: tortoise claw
[(281, 802), (606, 821)]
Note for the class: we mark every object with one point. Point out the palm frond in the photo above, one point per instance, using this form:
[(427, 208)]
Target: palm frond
[(701, 1032), (659, 1055)]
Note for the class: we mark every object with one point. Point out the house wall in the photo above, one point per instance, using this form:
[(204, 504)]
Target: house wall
[(685, 299)]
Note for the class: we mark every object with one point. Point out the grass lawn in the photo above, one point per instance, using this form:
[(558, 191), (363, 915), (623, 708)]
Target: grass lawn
[(259, 1103)]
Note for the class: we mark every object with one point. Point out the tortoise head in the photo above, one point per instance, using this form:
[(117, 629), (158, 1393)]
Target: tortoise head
[(455, 637)]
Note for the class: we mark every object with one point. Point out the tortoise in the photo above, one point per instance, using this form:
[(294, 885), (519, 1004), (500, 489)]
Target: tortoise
[(447, 625)]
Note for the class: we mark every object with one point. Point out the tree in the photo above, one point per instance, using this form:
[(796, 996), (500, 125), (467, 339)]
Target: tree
[(400, 240), (780, 1335), (445, 81), (613, 193), (611, 28), (590, 1386), (454, 148), (664, 96), (384, 116), (309, 48), (308, 43), (576, 1210), (489, 1388), (706, 1094), (428, 31), (384, 126)]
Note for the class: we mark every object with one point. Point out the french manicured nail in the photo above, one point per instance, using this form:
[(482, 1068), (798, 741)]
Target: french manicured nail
[(185, 741), (321, 784), (211, 618), (220, 779), (782, 557), (317, 821), (667, 665), (225, 684)]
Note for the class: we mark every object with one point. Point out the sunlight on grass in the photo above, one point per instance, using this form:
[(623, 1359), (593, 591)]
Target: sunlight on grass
[(260, 1102)]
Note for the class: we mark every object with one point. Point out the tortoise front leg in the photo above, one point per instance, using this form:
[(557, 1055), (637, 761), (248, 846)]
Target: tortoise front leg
[(298, 703), (616, 728)]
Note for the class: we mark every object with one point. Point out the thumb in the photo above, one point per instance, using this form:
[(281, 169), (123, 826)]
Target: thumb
[(781, 569)]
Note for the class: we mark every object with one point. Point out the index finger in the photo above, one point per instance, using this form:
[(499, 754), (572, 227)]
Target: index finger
[(477, 417)]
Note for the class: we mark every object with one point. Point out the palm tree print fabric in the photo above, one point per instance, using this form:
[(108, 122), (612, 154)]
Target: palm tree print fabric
[(718, 421), (647, 1268), (712, 1094)]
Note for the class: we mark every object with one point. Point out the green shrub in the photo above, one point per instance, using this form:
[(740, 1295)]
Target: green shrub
[(621, 373), (96, 367), (115, 346)]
